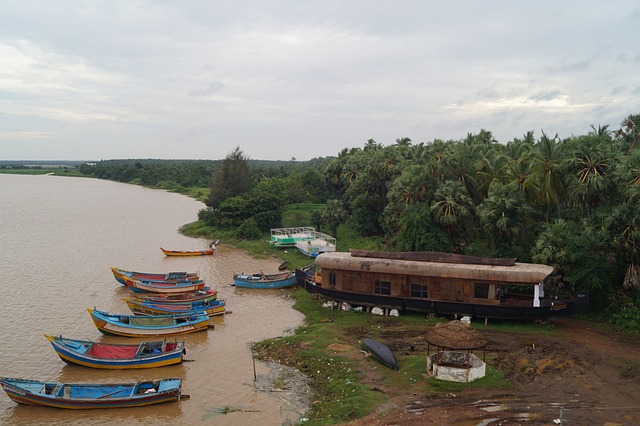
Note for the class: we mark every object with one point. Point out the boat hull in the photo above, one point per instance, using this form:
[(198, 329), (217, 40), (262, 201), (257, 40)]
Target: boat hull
[(214, 308), (260, 281), (164, 288), (121, 275), (116, 357), (108, 324), (561, 307), (91, 396), (188, 253), (380, 352)]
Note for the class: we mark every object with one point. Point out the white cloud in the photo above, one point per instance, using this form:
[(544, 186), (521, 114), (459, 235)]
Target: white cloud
[(168, 79)]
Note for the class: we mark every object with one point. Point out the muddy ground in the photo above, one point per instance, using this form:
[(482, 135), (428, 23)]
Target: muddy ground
[(581, 375)]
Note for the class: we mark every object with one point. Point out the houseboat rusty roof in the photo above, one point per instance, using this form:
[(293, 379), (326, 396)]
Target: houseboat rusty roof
[(520, 273)]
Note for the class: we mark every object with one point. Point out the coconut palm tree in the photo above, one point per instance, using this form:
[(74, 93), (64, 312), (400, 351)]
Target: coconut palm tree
[(452, 208)]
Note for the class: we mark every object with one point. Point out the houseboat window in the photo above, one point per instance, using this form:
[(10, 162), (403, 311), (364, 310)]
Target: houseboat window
[(481, 291), (382, 287), (332, 279), (419, 290)]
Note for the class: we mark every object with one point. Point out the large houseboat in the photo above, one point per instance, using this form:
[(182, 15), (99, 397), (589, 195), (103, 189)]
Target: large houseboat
[(440, 283)]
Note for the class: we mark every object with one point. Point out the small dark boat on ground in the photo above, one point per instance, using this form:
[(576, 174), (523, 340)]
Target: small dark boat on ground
[(284, 265), (380, 352)]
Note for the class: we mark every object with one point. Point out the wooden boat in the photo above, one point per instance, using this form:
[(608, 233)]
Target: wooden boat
[(91, 395), (121, 274), (284, 265), (148, 326), (164, 288), (280, 280), (380, 352), (207, 252), (117, 356), (210, 308), (484, 288), (305, 273), (180, 298)]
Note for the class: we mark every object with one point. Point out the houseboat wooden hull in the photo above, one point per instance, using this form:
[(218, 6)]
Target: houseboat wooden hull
[(261, 281), (91, 395), (440, 288), (208, 252), (112, 356), (148, 326)]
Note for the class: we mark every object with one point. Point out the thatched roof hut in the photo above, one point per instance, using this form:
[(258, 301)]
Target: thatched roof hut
[(450, 362), (455, 335)]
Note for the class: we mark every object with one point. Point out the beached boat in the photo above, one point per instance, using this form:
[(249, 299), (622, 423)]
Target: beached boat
[(207, 252), (164, 288), (210, 308), (442, 285), (180, 298), (381, 352), (114, 356), (148, 326), (91, 395), (121, 274), (318, 244), (280, 280)]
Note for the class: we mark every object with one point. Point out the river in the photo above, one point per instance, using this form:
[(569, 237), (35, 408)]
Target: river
[(58, 238)]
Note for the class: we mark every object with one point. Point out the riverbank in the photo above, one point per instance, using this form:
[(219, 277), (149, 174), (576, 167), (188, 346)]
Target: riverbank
[(536, 373)]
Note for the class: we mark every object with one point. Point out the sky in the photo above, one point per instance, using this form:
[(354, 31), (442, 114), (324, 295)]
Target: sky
[(283, 79)]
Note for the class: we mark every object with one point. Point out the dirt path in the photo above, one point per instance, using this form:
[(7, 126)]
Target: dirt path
[(579, 376)]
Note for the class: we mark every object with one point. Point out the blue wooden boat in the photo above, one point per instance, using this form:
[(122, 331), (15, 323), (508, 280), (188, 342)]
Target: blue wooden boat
[(91, 395), (380, 352), (117, 356), (145, 307), (148, 326), (281, 280)]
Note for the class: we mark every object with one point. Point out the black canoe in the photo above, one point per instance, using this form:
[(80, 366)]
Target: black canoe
[(380, 352)]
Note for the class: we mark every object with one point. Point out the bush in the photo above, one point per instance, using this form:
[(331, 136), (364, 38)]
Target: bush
[(207, 216), (248, 230)]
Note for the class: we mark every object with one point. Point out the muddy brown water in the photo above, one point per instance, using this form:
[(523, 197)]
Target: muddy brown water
[(58, 238)]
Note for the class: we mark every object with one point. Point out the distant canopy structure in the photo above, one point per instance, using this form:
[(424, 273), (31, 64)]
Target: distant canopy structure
[(454, 359)]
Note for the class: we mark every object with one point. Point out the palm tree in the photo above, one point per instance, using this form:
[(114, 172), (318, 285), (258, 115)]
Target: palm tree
[(450, 208), (503, 214), (548, 160)]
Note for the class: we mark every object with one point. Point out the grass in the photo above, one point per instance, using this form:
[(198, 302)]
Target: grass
[(340, 392)]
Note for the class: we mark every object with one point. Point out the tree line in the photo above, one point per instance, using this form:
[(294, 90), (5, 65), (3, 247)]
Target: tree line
[(571, 203)]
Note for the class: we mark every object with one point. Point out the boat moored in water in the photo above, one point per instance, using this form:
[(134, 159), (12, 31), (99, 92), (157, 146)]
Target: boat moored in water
[(117, 356), (148, 326), (262, 281), (91, 395)]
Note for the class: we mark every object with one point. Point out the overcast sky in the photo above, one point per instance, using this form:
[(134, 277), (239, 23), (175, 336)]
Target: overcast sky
[(193, 79)]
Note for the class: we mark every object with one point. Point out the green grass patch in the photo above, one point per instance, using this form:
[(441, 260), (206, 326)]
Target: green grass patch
[(340, 392)]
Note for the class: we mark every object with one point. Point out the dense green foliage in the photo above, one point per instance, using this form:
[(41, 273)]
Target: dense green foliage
[(571, 203)]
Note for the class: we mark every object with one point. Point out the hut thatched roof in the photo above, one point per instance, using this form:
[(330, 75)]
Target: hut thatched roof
[(455, 335), (519, 273)]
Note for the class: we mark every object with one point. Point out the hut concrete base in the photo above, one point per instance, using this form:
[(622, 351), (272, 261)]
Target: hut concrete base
[(456, 366)]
